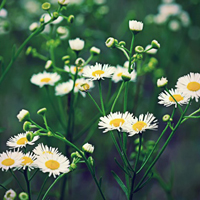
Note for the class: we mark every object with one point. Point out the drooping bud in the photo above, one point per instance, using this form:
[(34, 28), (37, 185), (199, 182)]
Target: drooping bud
[(72, 167), (155, 44), (88, 148), (42, 111), (48, 64), (110, 42), (95, 51), (46, 6), (70, 19)]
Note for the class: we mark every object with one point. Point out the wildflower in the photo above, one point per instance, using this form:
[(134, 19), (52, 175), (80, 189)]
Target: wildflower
[(64, 88), (139, 125), (155, 44), (88, 148), (95, 51), (167, 100), (76, 44), (48, 64), (169, 9), (23, 115), (139, 49), (46, 17), (45, 78), (174, 25), (54, 164), (150, 51), (20, 140), (3, 13), (42, 111), (135, 25), (41, 149), (114, 121), (9, 159), (110, 42), (72, 69), (162, 82), (63, 32), (27, 161), (121, 71), (10, 195), (190, 85), (98, 71), (33, 26)]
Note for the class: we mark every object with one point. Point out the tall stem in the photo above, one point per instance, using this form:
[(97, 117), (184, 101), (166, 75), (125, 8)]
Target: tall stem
[(101, 98), (27, 183)]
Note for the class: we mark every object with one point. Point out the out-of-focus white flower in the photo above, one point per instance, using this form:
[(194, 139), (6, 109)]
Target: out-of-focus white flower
[(63, 32), (160, 18), (135, 25), (33, 26), (47, 17), (174, 25), (162, 82), (88, 148), (64, 88), (99, 1), (76, 44), (63, 2), (185, 18), (169, 9), (3, 13), (72, 69)]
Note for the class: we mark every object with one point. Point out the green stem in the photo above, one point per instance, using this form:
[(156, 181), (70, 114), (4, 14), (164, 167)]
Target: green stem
[(2, 4), (131, 52), (3, 187), (42, 187), (101, 98), (95, 103), (88, 60), (27, 183), (120, 89), (33, 175), (135, 167), (162, 150), (195, 112), (56, 180), (124, 51), (16, 179)]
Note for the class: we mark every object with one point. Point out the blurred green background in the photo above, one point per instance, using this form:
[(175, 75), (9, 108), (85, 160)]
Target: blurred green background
[(95, 21)]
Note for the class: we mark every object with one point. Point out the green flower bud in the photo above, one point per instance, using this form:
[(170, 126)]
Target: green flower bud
[(150, 143), (41, 20), (139, 49), (137, 148), (66, 57), (153, 60), (27, 126), (46, 6), (155, 44), (29, 136), (79, 62), (42, 111), (126, 77), (73, 155), (49, 134), (110, 42), (72, 167), (55, 15), (67, 62), (28, 50), (137, 141), (122, 43), (23, 196), (166, 118), (95, 51), (133, 155), (70, 19), (91, 160)]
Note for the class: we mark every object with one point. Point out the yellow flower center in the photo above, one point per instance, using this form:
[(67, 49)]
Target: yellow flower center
[(178, 98), (193, 86), (52, 164), (138, 126), (79, 69), (8, 162), (22, 141), (45, 80), (76, 84), (97, 72), (26, 160), (119, 75), (117, 122)]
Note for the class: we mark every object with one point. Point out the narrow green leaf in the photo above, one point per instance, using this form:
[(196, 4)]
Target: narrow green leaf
[(120, 182), (100, 181), (122, 168)]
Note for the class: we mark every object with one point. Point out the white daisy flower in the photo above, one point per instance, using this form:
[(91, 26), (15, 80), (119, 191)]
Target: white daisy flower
[(45, 78), (76, 44), (135, 25), (114, 121), (20, 140), (119, 71), (98, 71), (54, 164), (28, 161), (167, 100), (9, 159), (64, 88), (10, 195), (138, 125), (169, 9), (42, 149), (190, 85), (72, 69), (88, 148)]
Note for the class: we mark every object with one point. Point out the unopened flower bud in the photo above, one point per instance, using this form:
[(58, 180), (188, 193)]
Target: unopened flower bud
[(91, 160), (166, 118), (23, 115), (49, 134), (162, 82), (10, 195), (23, 196), (48, 64), (88, 148), (42, 111), (126, 77), (71, 19), (72, 167), (28, 50), (63, 2), (33, 26), (155, 44), (110, 42), (95, 51), (139, 49), (79, 62), (137, 148), (137, 141), (46, 6), (67, 62), (73, 155), (66, 57), (27, 126), (135, 26), (84, 87), (29, 136), (122, 43)]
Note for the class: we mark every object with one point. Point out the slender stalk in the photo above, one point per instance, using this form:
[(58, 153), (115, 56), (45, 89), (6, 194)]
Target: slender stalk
[(27, 183), (120, 89), (101, 98), (124, 51), (16, 179), (42, 187), (3, 187), (2, 4), (131, 52), (187, 117), (88, 60), (135, 168), (95, 102)]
